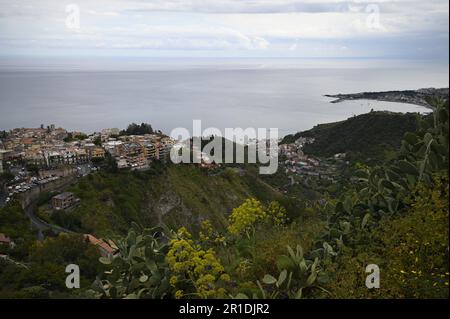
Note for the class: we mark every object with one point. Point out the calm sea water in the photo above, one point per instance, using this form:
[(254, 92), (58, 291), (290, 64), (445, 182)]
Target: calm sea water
[(91, 94)]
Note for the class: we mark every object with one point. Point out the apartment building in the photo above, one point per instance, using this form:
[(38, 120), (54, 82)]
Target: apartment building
[(64, 200)]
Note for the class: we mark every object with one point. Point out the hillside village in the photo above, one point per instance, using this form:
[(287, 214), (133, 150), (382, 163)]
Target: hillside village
[(35, 156), (300, 168), (31, 158)]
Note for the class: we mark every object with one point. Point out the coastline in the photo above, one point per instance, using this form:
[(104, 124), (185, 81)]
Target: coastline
[(417, 97)]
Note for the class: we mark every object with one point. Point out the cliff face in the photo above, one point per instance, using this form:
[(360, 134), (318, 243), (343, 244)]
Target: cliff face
[(177, 195)]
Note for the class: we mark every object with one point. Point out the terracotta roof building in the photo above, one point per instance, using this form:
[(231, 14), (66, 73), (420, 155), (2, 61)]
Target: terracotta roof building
[(106, 249)]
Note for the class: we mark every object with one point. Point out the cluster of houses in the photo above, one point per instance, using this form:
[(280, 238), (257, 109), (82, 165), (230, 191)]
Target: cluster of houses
[(138, 151), (53, 147), (295, 160), (55, 156), (47, 147), (56, 153), (298, 163)]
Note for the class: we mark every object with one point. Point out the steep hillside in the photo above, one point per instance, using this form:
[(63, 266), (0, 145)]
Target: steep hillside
[(364, 136), (175, 195)]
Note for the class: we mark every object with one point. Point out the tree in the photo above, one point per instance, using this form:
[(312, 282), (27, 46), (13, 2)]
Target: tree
[(135, 129), (67, 249), (98, 140), (32, 168)]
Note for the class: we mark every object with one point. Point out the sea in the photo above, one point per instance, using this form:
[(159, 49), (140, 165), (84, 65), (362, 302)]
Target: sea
[(90, 94)]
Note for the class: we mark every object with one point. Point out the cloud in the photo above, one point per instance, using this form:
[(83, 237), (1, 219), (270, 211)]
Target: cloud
[(281, 6), (146, 37), (269, 27), (104, 13), (242, 6)]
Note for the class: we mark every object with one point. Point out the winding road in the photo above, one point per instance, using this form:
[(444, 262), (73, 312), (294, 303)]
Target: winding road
[(29, 208), (41, 225)]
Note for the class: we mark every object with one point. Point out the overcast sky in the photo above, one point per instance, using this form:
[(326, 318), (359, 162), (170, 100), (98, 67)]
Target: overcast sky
[(226, 28)]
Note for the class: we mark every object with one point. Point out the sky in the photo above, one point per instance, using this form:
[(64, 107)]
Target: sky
[(407, 29)]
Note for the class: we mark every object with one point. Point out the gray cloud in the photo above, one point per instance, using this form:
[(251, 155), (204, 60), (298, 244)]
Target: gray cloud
[(283, 6), (271, 27), (243, 6)]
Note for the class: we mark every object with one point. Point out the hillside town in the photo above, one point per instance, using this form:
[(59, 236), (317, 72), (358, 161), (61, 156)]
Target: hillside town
[(35, 156), (298, 164)]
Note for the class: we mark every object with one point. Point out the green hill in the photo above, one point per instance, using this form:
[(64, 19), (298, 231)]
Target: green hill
[(369, 135), (174, 195)]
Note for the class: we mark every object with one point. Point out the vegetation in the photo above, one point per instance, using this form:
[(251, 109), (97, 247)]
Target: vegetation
[(75, 137), (98, 140), (171, 195), (244, 217), (5, 178), (136, 129), (140, 271), (394, 216), (41, 273), (225, 233), (373, 135), (14, 222), (196, 272), (15, 225)]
